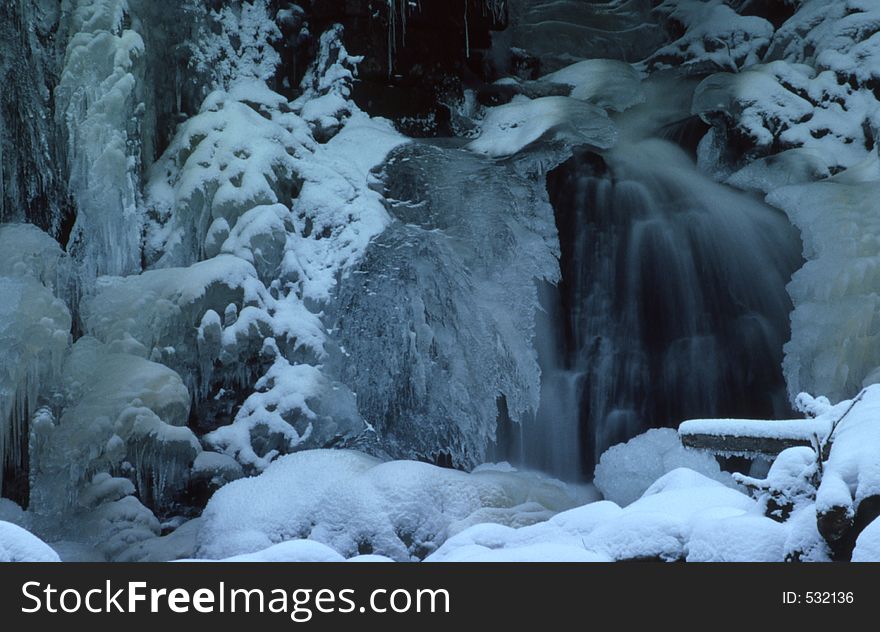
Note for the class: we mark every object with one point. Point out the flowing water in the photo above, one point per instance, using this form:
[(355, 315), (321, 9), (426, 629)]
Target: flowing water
[(672, 304)]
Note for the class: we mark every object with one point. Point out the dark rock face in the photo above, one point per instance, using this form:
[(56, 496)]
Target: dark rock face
[(30, 188), (840, 528), (417, 59)]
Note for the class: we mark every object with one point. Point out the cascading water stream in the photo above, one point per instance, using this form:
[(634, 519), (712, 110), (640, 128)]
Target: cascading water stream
[(672, 303)]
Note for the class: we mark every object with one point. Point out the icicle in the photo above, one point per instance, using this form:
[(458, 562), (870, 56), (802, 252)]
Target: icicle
[(467, 37)]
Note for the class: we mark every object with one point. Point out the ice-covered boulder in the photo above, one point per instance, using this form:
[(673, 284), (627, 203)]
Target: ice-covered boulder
[(110, 519), (511, 128), (625, 471), (607, 83), (355, 504), (161, 315)]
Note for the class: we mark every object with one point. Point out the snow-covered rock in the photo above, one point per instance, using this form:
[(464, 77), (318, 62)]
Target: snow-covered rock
[(714, 34)]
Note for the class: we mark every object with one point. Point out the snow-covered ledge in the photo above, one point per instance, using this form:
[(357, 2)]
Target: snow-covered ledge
[(751, 437)]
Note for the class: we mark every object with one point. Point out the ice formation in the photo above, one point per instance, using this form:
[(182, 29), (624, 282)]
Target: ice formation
[(34, 333), (626, 470), (835, 344), (461, 339), (607, 83)]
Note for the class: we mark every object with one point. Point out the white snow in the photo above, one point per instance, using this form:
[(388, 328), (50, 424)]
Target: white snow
[(662, 525), (852, 471), (18, 545), (782, 105), (868, 544), (291, 551), (357, 504), (790, 429), (737, 539)]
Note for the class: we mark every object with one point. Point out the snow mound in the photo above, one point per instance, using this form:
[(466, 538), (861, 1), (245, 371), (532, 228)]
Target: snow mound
[(18, 545), (868, 545), (627, 470), (677, 513), (356, 504), (737, 539), (25, 250), (292, 551)]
